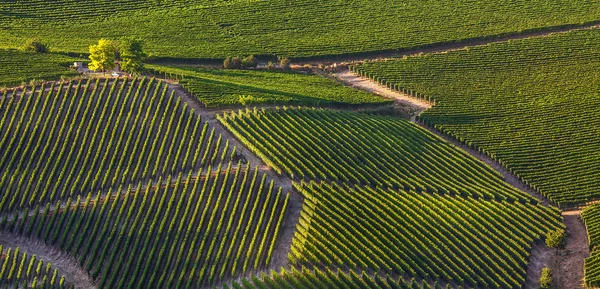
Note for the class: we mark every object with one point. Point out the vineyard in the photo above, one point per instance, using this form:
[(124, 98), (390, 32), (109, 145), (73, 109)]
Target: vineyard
[(307, 28), (394, 199), (217, 88), (442, 237), (60, 140), (306, 279), (17, 67), (17, 268), (591, 217), (182, 232), (314, 144), (528, 104)]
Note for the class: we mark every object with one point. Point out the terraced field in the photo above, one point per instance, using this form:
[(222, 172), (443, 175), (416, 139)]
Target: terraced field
[(218, 29), (219, 88), (530, 104), (17, 67)]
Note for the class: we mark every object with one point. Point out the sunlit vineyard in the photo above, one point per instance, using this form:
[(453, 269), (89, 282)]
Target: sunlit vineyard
[(468, 241), (17, 67), (306, 279), (173, 232), (59, 140), (591, 217), (530, 104), (314, 144), (216, 88), (219, 28), (19, 269)]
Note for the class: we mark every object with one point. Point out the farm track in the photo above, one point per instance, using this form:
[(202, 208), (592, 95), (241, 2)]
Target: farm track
[(67, 265)]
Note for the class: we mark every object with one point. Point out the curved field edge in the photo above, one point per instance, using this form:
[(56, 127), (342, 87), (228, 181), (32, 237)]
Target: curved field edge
[(510, 121)]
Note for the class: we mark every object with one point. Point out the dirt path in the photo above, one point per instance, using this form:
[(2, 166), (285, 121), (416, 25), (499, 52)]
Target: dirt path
[(353, 80), (568, 265), (66, 265)]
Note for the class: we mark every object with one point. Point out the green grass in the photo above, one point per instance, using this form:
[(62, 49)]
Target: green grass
[(530, 104), (217, 88), (17, 67), (217, 29)]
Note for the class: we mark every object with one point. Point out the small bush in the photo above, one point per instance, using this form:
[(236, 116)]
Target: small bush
[(546, 278), (33, 45), (232, 63), (555, 239), (249, 61), (285, 63), (271, 65)]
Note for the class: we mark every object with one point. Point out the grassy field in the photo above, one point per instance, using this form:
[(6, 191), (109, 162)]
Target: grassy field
[(17, 67), (531, 104), (218, 88), (218, 28)]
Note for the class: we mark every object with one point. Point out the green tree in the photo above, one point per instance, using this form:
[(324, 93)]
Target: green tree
[(555, 239), (103, 55), (546, 278), (132, 55)]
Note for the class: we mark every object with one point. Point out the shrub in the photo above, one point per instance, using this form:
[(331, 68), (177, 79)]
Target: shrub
[(270, 65), (249, 61), (555, 239), (232, 63), (285, 63), (546, 278), (33, 45)]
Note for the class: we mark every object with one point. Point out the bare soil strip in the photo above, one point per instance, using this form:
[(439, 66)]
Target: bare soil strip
[(66, 264)]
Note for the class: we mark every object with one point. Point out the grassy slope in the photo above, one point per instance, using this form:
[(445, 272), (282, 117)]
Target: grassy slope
[(200, 29), (532, 104), (234, 87), (17, 67)]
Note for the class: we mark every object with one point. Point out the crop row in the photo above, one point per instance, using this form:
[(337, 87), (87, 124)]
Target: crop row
[(58, 140), (216, 88), (291, 28), (314, 144), (317, 278), (530, 104), (591, 218), (186, 232), (17, 67), (463, 240), (20, 270)]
